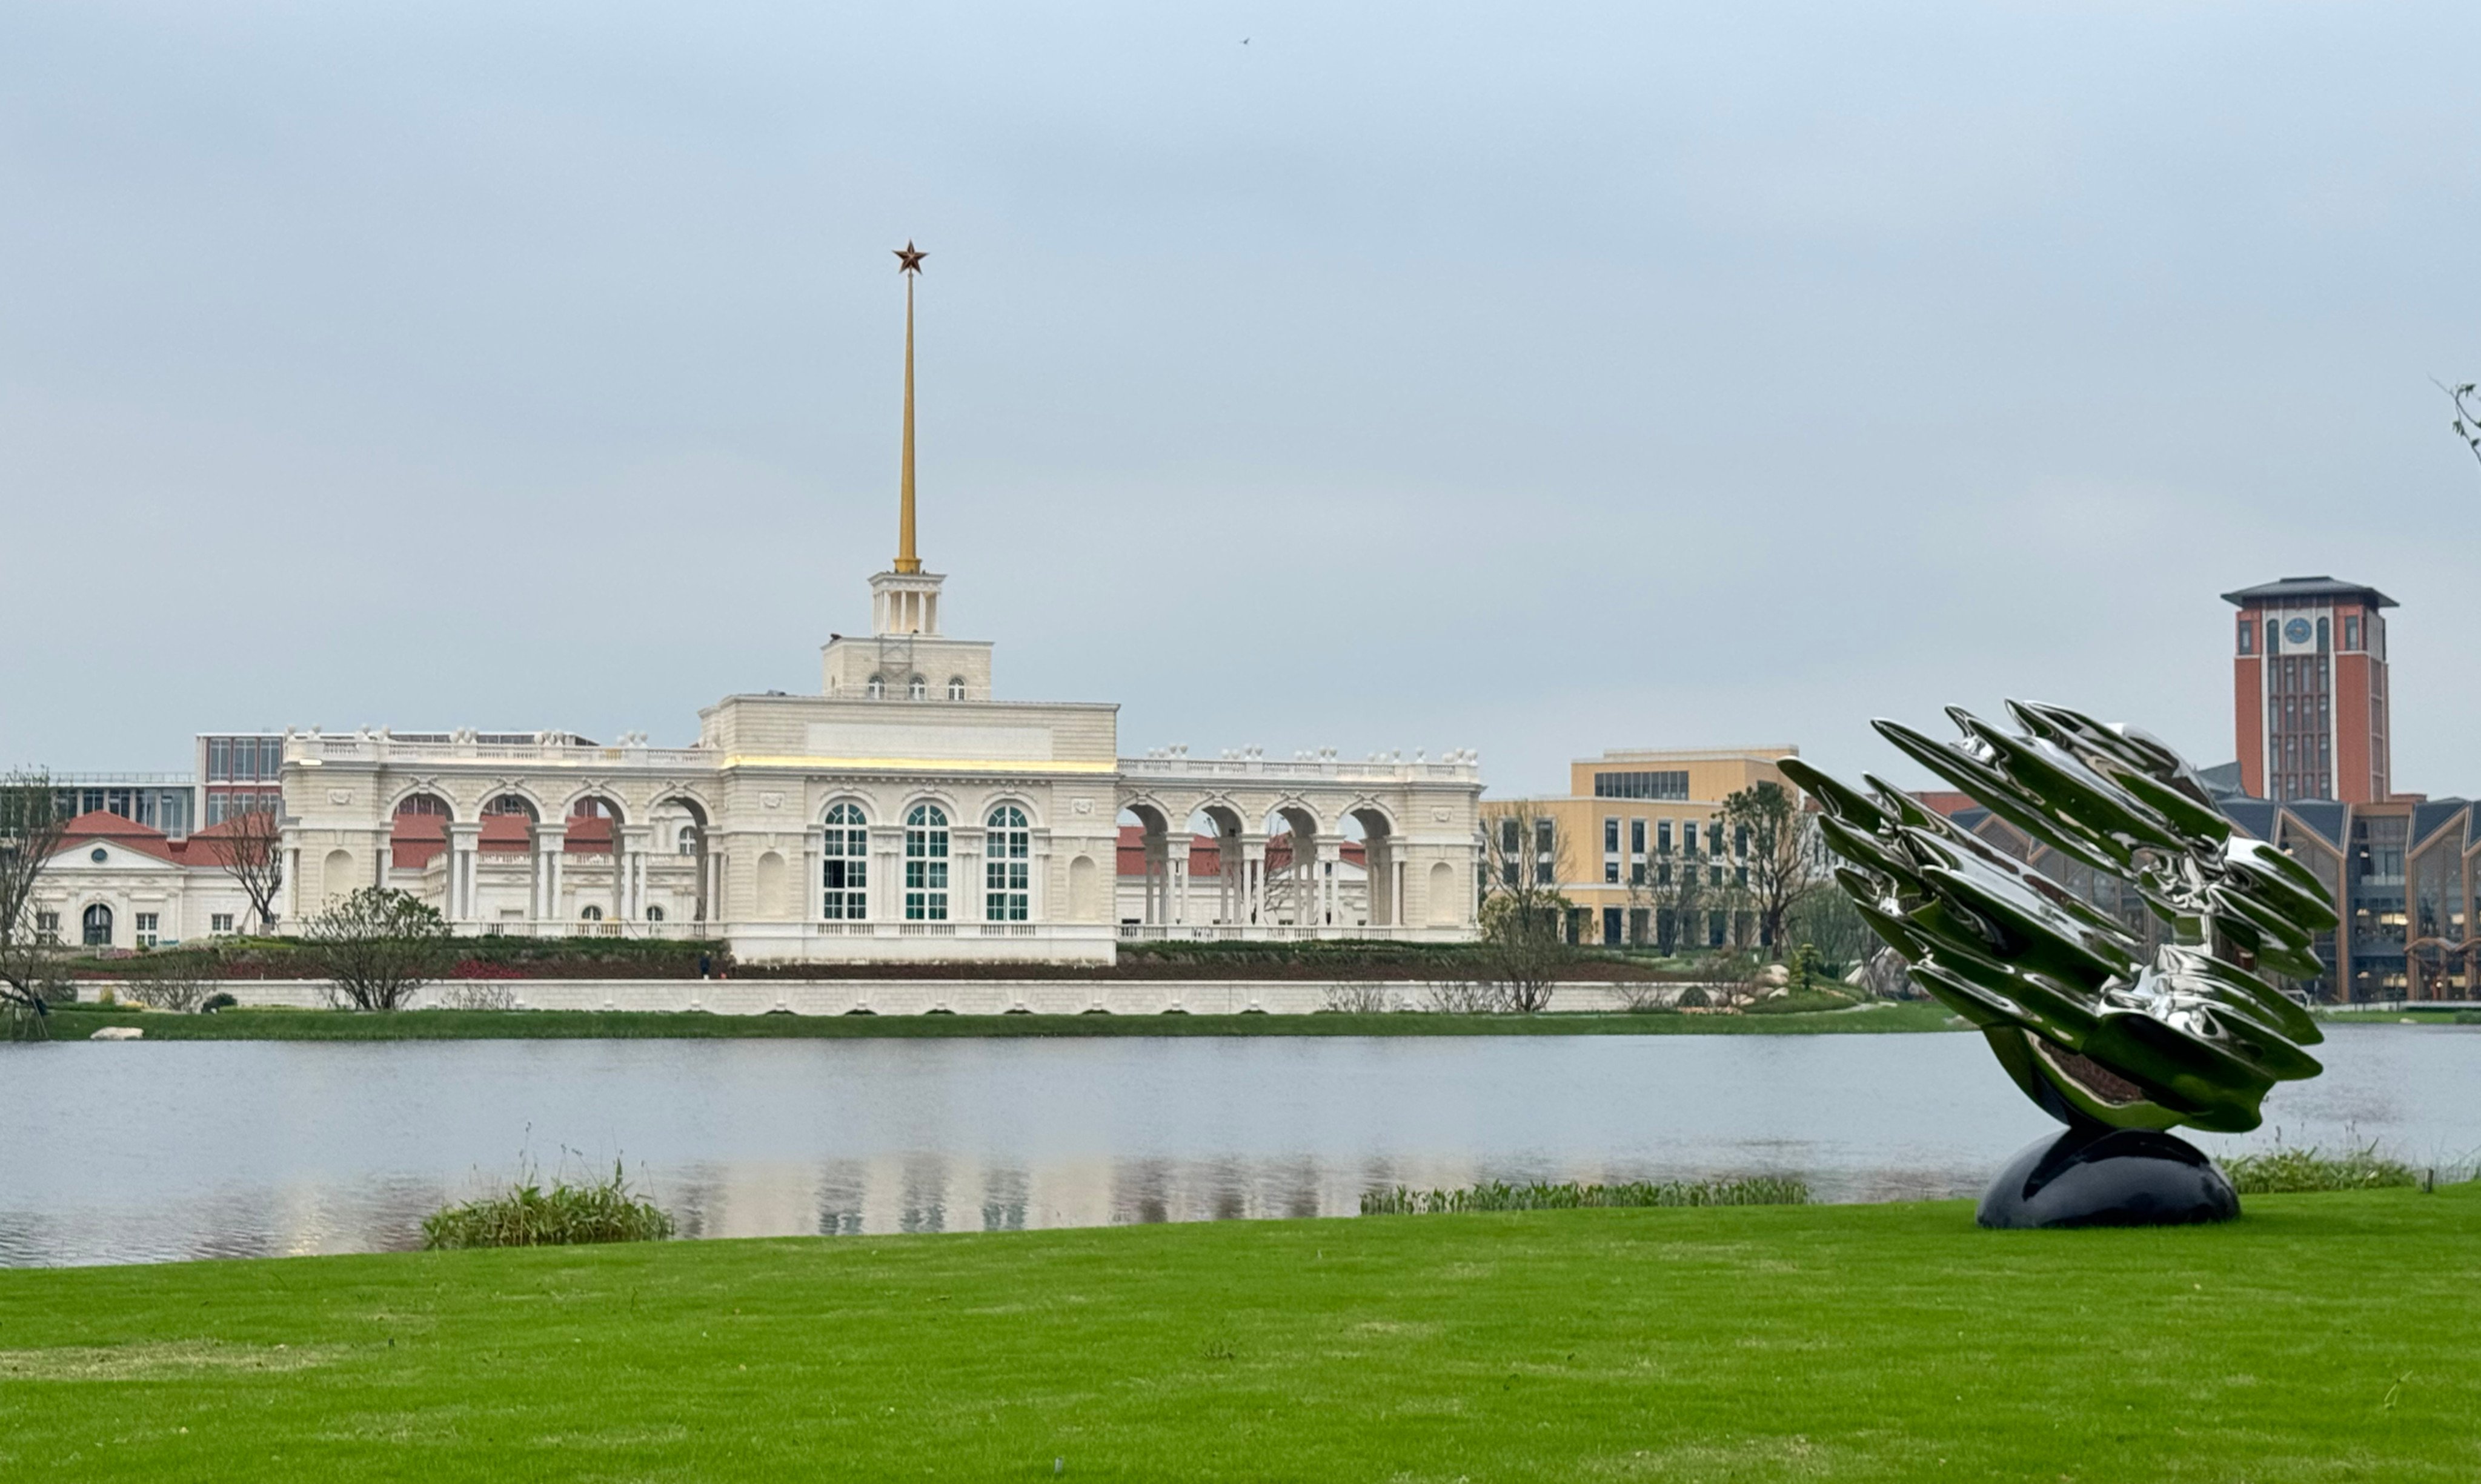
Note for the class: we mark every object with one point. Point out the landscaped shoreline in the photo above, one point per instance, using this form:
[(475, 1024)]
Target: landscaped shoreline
[(79, 1021), (2319, 1337)]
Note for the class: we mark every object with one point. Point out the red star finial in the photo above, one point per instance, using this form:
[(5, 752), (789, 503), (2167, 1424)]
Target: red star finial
[(908, 258)]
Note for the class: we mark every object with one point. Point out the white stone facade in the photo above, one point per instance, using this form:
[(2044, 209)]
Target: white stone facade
[(902, 813)]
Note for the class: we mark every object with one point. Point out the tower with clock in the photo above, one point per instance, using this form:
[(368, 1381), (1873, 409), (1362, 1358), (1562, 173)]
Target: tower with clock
[(2310, 691)]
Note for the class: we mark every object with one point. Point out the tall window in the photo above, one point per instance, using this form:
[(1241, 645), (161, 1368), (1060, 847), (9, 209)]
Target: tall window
[(926, 865), (878, 688), (1005, 868), (847, 856), (917, 689), (98, 926), (955, 687)]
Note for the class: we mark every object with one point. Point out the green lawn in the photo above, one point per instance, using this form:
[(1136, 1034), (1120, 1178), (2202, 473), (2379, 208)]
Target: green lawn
[(80, 1021), (2321, 1338)]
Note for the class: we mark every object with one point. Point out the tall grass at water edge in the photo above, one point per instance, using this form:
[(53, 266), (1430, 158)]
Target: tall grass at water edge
[(2287, 1171), (1498, 1196), (526, 1215)]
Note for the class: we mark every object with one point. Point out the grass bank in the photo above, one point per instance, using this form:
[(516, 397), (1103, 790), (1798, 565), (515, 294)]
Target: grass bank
[(2321, 1338), (78, 1022)]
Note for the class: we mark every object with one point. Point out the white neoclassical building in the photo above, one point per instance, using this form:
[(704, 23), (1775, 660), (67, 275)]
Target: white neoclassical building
[(903, 811)]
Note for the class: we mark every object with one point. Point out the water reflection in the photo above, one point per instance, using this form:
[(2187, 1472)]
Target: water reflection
[(151, 1152)]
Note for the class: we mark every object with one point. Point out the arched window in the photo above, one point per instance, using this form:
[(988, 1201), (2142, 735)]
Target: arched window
[(917, 689), (590, 913), (955, 687), (877, 688), (654, 913), (511, 803), (98, 926), (1005, 866), (926, 865), (845, 853)]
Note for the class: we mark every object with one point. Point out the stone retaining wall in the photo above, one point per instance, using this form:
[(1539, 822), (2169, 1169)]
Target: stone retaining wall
[(917, 997)]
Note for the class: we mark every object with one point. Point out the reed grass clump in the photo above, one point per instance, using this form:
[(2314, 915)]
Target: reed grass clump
[(528, 1215), (2287, 1171), (1569, 1195)]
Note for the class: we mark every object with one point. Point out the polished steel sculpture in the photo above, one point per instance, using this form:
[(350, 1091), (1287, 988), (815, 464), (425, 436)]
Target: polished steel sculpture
[(2118, 1043)]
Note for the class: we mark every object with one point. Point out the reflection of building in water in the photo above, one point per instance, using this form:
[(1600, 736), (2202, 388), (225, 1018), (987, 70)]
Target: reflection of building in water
[(904, 811)]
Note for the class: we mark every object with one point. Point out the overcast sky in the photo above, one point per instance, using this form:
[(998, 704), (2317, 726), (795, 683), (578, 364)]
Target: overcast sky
[(1541, 380)]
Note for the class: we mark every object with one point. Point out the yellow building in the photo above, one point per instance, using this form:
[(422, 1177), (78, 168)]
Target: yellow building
[(1618, 843)]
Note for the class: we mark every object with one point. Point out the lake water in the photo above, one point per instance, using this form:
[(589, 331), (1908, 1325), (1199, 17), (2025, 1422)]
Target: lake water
[(149, 1152)]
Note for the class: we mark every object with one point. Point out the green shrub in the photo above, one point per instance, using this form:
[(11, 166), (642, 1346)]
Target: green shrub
[(1750, 1190), (2285, 1171), (526, 1215)]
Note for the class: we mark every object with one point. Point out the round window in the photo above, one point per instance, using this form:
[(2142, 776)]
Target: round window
[(99, 855)]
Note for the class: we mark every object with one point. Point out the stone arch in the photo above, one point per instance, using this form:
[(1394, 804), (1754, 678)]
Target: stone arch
[(1142, 854), (1295, 890), (418, 828), (593, 820), (1221, 825), (596, 803), (509, 801), (679, 821), (1382, 894)]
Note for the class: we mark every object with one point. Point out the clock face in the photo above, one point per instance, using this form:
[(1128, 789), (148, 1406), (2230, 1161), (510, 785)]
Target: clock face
[(2296, 632)]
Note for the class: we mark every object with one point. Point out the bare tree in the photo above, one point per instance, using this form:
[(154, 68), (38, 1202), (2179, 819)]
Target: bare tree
[(1673, 890), (2467, 424), (1524, 913), (377, 947), (249, 847), (30, 836), (1775, 848)]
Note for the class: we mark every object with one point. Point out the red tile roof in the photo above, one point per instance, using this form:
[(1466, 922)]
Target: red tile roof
[(1205, 853), (98, 825)]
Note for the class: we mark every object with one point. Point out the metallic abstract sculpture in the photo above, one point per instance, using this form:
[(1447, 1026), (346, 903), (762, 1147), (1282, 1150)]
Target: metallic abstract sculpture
[(2117, 1043)]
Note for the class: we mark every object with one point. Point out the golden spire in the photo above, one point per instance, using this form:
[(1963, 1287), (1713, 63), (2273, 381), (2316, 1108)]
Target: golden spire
[(909, 260)]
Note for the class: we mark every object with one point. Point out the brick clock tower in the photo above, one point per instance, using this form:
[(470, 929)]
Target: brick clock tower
[(2308, 688)]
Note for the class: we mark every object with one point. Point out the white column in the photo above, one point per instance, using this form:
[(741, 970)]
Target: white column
[(814, 856), (1037, 877), (550, 841), (628, 866), (1175, 875), (1320, 902), (462, 841), (965, 886), (887, 873), (1253, 878)]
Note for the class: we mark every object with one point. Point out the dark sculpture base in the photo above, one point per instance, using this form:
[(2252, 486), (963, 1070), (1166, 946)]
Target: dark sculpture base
[(2096, 1176)]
